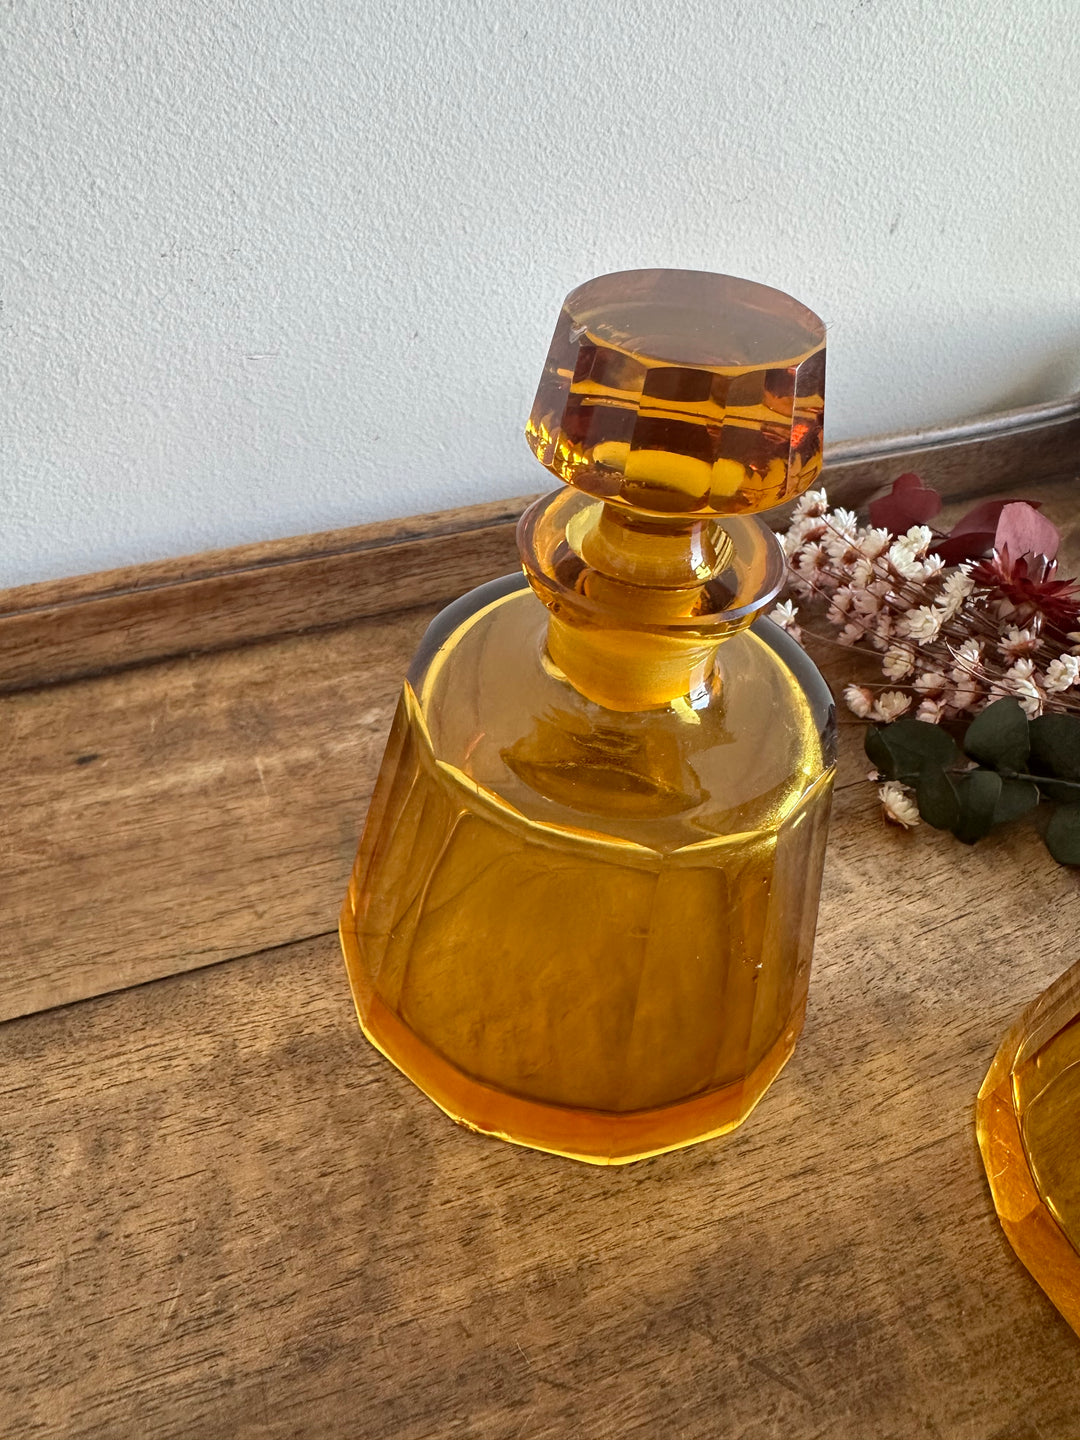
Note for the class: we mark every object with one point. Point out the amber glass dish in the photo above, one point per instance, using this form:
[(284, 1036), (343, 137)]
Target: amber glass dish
[(1028, 1122)]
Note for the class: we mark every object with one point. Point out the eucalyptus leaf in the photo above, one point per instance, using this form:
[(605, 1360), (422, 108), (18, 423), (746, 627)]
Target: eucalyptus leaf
[(937, 798), (1017, 798), (907, 747), (878, 753), (1063, 834), (1055, 745), (1067, 791), (998, 736), (980, 793)]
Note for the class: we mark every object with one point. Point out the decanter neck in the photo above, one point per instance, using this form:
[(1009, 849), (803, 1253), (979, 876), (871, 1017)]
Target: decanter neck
[(639, 604)]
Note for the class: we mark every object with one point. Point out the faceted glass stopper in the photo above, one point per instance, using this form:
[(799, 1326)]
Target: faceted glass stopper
[(679, 392)]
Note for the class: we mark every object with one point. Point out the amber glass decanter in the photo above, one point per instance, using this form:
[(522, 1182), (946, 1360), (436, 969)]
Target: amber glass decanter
[(1028, 1123), (583, 909)]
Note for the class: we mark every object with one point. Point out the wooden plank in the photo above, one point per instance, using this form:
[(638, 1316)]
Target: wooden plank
[(160, 819), (225, 1215), (64, 629)]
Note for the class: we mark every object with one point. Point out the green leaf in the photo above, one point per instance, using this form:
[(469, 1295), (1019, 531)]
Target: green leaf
[(904, 749), (1066, 791), (937, 799), (1017, 798), (878, 753), (980, 792), (1055, 745), (998, 736), (1063, 832)]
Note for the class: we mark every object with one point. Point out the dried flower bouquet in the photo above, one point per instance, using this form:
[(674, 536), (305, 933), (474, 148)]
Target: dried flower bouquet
[(969, 623)]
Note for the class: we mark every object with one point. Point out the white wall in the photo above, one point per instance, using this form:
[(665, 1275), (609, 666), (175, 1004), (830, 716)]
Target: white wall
[(271, 266)]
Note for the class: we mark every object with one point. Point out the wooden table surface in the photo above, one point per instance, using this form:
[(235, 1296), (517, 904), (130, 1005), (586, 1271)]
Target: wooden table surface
[(225, 1215)]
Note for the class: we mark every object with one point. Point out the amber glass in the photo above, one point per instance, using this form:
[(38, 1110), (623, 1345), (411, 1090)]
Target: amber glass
[(583, 909), (648, 402), (1028, 1123)]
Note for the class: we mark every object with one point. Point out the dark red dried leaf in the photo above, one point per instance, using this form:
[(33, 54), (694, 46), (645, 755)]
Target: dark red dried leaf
[(972, 537), (972, 545), (986, 515), (908, 503)]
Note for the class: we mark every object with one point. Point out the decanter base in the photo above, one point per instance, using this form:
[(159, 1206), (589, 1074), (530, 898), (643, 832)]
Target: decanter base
[(596, 1137)]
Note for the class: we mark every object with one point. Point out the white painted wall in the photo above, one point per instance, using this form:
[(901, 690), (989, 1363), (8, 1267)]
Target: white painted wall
[(271, 266)]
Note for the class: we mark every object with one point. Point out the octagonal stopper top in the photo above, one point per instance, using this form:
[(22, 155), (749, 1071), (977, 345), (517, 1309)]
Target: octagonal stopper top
[(681, 392)]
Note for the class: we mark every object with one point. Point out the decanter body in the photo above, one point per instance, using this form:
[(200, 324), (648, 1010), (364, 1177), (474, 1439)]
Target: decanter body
[(582, 914)]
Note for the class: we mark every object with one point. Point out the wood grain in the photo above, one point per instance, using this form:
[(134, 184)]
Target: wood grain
[(61, 630), (225, 1215), (160, 819)]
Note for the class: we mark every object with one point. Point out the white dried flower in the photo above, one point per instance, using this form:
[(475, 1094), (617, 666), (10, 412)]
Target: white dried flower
[(920, 537), (868, 601), (801, 532), (786, 615), (859, 700), (966, 697), (890, 705), (840, 605), (898, 662), (899, 807), (1061, 674), (933, 565), (955, 588), (861, 573), (812, 561), (799, 587), (881, 636), (871, 543), (1019, 682), (851, 634), (814, 502), (922, 624), (840, 538), (906, 554), (1015, 644), (968, 659), (903, 564), (899, 603), (931, 682), (930, 710)]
